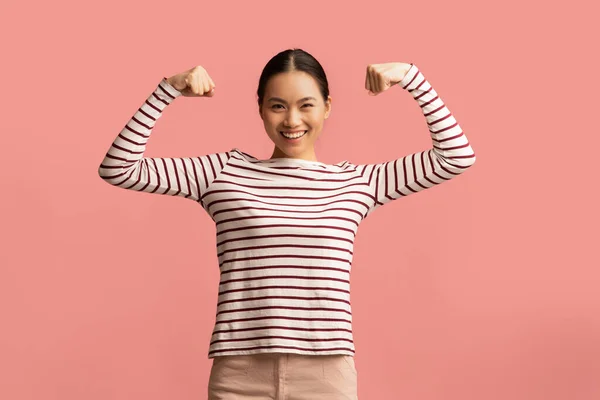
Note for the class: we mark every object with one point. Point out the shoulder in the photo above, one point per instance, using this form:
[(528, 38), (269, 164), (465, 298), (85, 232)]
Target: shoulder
[(239, 154)]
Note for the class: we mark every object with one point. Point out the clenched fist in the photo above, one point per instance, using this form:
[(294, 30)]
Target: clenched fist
[(380, 77), (194, 82)]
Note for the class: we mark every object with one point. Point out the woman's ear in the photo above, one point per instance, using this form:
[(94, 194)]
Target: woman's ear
[(328, 107)]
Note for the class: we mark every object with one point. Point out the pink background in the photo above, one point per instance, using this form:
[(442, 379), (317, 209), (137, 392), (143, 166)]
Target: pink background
[(485, 287)]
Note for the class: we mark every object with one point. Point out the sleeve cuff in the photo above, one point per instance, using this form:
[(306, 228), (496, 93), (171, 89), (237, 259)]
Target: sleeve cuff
[(410, 74), (164, 83)]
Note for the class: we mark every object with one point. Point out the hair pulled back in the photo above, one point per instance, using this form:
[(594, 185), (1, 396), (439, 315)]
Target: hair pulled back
[(293, 60)]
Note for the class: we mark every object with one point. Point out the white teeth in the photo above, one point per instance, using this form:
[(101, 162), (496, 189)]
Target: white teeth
[(293, 135)]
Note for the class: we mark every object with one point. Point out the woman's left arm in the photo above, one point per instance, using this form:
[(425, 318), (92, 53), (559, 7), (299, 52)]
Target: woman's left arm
[(450, 155)]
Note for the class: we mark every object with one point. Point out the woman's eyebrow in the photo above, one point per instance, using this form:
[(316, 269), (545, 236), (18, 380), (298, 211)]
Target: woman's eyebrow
[(283, 101)]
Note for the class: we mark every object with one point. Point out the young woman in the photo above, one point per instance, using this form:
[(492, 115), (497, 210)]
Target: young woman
[(286, 225)]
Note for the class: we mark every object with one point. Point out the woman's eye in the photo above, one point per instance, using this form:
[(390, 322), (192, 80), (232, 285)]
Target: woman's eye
[(308, 104)]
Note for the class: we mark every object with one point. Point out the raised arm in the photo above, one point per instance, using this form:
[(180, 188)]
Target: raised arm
[(125, 166), (450, 155)]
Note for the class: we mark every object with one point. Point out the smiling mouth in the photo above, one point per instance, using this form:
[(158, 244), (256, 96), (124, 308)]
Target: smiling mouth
[(294, 136)]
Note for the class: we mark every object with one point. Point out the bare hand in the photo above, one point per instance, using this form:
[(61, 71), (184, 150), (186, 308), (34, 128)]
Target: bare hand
[(194, 82), (380, 77)]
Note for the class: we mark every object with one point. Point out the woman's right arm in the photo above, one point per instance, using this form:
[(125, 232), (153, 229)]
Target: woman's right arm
[(125, 166)]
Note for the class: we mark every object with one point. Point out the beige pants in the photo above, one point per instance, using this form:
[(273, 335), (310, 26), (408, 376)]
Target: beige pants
[(283, 376)]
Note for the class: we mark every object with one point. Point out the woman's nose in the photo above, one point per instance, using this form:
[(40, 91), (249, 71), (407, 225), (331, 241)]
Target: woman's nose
[(292, 119)]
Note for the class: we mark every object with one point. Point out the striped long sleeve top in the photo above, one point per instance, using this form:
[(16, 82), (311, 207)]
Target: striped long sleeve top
[(285, 227)]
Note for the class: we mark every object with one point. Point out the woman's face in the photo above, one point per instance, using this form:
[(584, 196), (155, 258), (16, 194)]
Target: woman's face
[(292, 101)]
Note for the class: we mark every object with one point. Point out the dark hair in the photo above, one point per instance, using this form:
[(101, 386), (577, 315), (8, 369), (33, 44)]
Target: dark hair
[(293, 60)]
